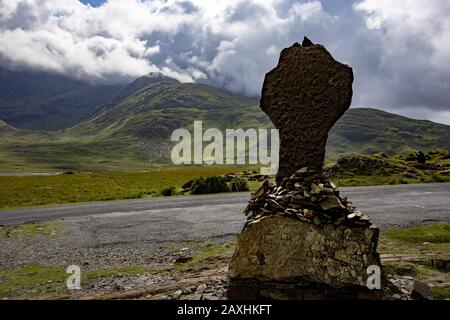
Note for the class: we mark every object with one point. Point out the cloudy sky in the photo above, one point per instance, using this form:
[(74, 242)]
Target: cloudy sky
[(399, 49)]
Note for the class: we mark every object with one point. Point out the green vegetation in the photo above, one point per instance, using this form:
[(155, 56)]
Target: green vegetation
[(239, 185), (47, 101), (418, 241), (72, 187), (29, 230), (36, 281), (32, 280), (29, 191), (370, 131), (402, 168), (433, 233), (440, 293), (218, 184), (214, 184), (46, 282), (132, 132), (167, 192), (90, 276), (432, 238), (205, 253)]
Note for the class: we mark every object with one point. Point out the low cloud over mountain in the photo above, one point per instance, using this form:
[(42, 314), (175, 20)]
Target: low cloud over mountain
[(399, 49)]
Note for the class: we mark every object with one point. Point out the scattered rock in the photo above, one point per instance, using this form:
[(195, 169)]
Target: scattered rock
[(183, 259), (420, 291), (330, 202), (396, 296), (177, 294), (208, 296), (201, 288), (293, 199)]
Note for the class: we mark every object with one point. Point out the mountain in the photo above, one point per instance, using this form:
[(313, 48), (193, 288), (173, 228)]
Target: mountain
[(370, 131), (6, 128), (142, 83), (152, 109), (38, 100), (131, 131)]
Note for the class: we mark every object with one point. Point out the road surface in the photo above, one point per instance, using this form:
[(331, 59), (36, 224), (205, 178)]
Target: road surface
[(386, 205), (143, 232)]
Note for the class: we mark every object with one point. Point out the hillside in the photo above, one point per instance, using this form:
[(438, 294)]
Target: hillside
[(6, 128), (45, 101), (134, 127), (381, 169), (370, 131), (152, 108), (131, 131)]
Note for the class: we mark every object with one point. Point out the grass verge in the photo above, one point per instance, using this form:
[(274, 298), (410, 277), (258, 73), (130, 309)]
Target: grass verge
[(419, 241), (30, 230), (28, 191)]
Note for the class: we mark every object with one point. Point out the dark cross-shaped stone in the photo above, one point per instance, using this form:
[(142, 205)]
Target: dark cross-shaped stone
[(304, 96)]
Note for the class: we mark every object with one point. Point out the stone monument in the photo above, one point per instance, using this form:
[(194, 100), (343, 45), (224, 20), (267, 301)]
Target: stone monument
[(302, 240)]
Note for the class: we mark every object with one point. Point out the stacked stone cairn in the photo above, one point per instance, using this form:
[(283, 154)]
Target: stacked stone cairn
[(307, 196)]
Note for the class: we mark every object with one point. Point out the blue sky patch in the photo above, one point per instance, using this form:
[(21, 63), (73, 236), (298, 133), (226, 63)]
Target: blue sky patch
[(93, 3)]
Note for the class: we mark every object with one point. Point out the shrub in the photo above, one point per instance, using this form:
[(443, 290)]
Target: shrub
[(237, 185), (437, 177), (214, 184), (421, 157), (167, 192)]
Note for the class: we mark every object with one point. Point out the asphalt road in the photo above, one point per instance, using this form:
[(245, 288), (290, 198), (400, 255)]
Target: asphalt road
[(387, 205), (144, 232)]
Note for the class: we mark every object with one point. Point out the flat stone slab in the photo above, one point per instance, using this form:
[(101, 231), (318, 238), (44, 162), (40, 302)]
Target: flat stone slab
[(281, 249)]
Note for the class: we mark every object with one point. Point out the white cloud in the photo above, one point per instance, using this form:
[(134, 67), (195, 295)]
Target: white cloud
[(399, 49), (414, 38), (222, 41)]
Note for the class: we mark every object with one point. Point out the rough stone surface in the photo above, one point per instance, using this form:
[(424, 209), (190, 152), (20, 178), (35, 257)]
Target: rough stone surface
[(304, 96), (280, 249), (306, 196), (302, 240)]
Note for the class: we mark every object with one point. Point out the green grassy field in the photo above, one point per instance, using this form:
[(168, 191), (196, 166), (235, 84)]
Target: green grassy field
[(420, 240), (115, 184), (30, 191)]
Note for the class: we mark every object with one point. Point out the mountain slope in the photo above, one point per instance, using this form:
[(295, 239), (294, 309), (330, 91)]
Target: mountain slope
[(369, 131), (158, 107), (5, 128), (45, 101), (132, 130)]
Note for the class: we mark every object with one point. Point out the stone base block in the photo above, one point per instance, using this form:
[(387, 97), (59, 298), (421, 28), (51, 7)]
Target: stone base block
[(280, 249)]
